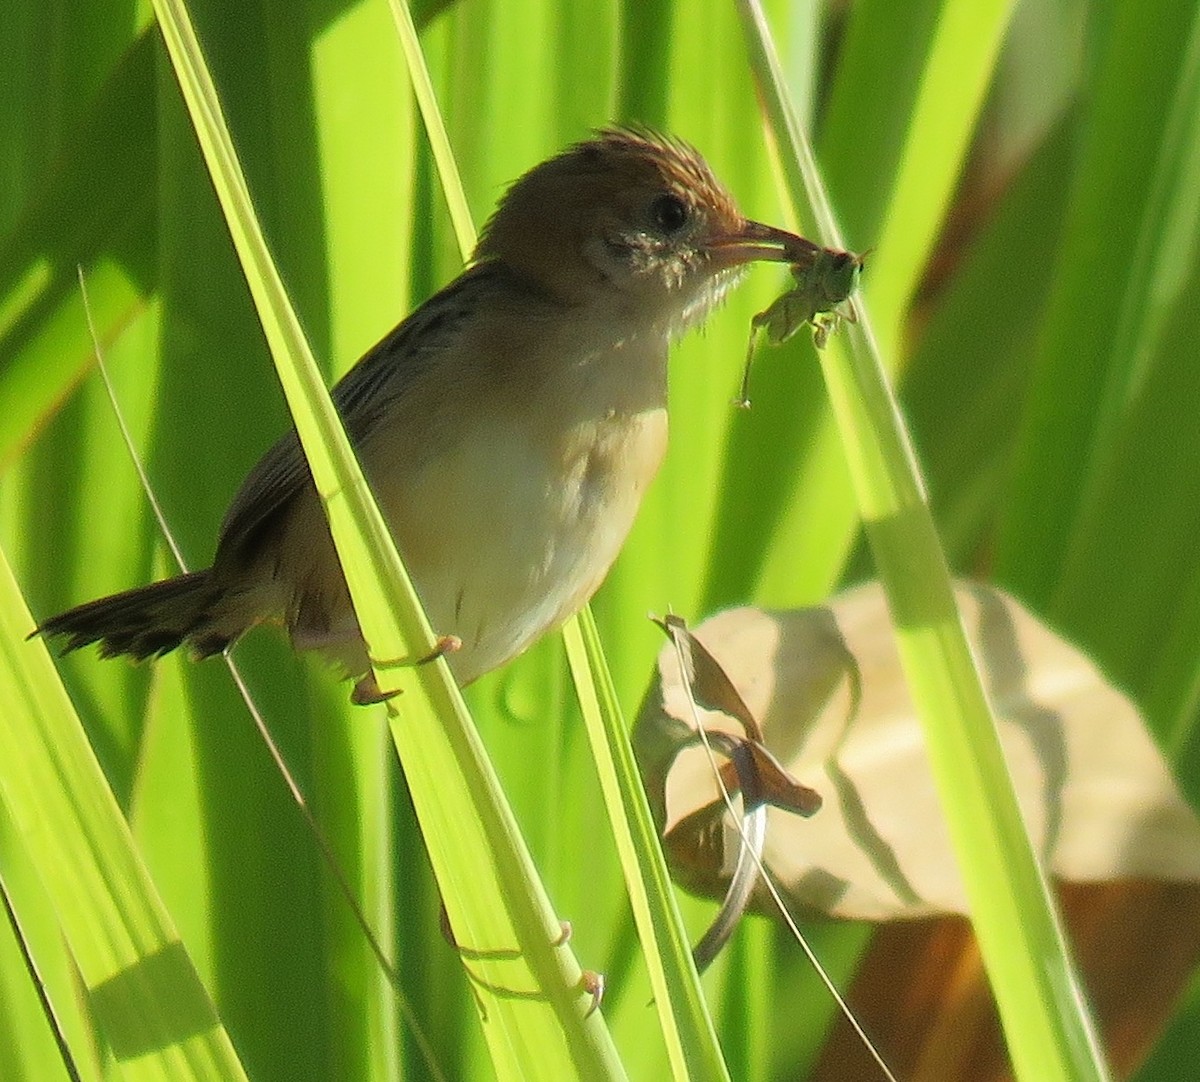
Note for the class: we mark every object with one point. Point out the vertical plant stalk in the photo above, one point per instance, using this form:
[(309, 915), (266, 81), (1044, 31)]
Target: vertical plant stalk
[(692, 1046), (1049, 1033), (435, 129)]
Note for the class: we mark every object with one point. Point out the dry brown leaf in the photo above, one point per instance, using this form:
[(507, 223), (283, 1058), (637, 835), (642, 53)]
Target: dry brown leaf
[(1096, 793), (1122, 845)]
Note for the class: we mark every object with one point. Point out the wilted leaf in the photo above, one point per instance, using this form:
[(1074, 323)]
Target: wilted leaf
[(750, 766), (711, 686), (1099, 800), (1097, 796)]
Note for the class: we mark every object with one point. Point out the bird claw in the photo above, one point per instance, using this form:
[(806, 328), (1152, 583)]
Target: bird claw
[(446, 644), (367, 691), (593, 984)]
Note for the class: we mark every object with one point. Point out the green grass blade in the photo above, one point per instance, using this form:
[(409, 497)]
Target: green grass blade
[(954, 80), (366, 252), (1133, 173), (925, 142), (435, 129), (691, 1040), (145, 995), (1049, 1033)]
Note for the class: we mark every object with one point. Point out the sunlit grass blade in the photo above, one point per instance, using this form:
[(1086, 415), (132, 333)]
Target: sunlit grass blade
[(959, 42), (43, 1028), (691, 1040), (145, 994), (367, 243), (1049, 1033), (526, 980), (954, 80), (418, 73)]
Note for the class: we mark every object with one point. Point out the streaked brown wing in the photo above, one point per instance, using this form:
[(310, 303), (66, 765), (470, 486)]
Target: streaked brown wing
[(361, 397)]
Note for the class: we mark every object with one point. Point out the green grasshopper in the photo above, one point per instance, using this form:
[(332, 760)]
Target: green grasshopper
[(825, 278)]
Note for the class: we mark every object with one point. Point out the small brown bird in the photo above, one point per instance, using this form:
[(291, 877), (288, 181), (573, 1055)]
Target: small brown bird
[(509, 427)]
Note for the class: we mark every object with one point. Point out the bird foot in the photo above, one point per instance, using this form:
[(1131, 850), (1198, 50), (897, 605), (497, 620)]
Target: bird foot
[(446, 644), (367, 691)]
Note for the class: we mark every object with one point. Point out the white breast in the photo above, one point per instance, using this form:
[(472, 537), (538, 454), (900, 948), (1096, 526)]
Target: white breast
[(512, 525), (526, 532), (510, 476)]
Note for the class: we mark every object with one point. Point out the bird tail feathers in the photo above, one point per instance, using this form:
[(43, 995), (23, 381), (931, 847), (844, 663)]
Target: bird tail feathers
[(148, 621)]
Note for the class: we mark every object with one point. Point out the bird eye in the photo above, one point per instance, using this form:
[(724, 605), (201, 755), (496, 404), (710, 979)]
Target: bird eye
[(669, 213)]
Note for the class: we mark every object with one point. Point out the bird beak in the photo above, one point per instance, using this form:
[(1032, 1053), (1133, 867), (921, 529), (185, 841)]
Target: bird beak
[(754, 241)]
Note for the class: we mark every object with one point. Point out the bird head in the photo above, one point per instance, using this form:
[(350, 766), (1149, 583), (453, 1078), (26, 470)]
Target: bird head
[(632, 222)]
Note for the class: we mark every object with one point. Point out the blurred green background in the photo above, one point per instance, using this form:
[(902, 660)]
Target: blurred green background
[(1028, 177)]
